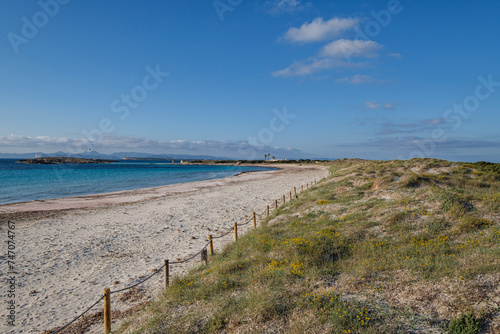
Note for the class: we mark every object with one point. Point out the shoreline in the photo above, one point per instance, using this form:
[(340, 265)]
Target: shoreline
[(66, 257), (50, 208)]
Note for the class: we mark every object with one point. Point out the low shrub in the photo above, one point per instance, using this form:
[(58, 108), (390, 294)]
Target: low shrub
[(467, 323)]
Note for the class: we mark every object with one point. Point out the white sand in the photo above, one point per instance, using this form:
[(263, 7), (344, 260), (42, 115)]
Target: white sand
[(69, 259)]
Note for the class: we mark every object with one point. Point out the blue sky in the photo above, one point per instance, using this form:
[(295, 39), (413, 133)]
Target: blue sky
[(240, 78)]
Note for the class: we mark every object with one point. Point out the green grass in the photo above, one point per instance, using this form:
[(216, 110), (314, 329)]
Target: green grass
[(485, 166), (338, 267), (467, 323)]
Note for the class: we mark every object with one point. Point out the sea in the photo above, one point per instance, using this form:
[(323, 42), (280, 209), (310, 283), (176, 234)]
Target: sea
[(22, 182)]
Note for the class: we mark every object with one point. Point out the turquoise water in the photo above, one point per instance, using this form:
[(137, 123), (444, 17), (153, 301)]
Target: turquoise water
[(22, 183)]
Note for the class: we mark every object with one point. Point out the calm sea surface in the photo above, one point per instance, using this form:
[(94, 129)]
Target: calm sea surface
[(20, 182)]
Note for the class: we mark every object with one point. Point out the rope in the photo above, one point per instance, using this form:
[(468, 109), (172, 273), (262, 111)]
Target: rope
[(247, 222), (263, 213), (192, 257), (134, 285), (223, 235), (72, 321)]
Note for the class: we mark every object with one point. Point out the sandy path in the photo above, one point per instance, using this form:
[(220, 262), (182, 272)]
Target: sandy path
[(70, 256)]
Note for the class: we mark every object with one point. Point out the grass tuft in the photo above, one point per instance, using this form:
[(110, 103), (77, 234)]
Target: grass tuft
[(467, 323)]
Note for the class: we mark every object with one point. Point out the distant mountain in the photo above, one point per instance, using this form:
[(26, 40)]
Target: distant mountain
[(112, 156), (61, 160)]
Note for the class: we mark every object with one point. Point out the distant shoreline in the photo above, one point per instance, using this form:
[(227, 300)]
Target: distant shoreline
[(63, 160)]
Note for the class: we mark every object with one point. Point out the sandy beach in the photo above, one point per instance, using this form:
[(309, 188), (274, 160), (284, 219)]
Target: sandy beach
[(69, 249)]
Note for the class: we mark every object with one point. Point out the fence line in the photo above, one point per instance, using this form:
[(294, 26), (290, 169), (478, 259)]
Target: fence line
[(107, 293), (78, 317)]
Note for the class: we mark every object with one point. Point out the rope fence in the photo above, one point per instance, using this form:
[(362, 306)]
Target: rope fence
[(223, 235), (78, 317), (134, 285), (166, 265), (192, 257)]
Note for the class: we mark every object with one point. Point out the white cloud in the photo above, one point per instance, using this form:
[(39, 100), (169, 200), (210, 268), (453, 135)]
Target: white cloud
[(302, 68), (314, 65), (389, 106), (370, 105), (277, 7), (395, 55), (320, 30), (339, 52), (422, 126), (346, 48), (434, 121), (331, 57), (357, 79)]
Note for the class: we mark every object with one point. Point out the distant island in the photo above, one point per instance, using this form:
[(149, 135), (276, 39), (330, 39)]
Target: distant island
[(63, 160)]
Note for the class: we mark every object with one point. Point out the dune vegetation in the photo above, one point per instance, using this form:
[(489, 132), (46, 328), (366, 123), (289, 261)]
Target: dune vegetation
[(377, 247)]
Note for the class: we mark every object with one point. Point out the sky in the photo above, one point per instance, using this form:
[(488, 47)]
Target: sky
[(243, 78)]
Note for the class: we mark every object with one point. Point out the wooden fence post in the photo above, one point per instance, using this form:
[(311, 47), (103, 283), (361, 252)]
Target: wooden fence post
[(283, 199), (275, 203), (307, 185), (254, 220), (302, 188), (166, 271), (290, 195), (107, 311), (204, 256), (268, 210), (294, 190), (211, 244), (235, 231)]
